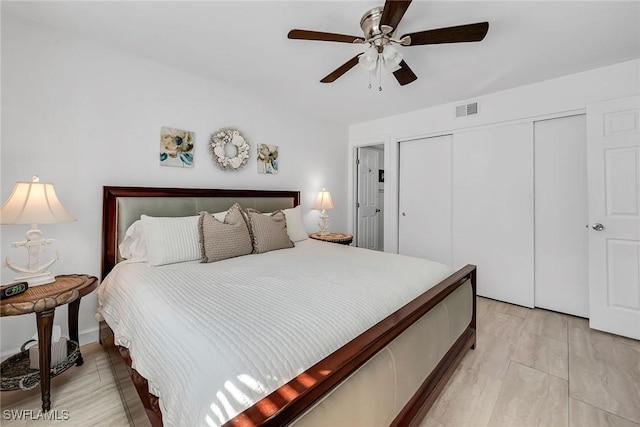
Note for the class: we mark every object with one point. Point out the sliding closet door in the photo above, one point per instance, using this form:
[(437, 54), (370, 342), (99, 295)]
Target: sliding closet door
[(424, 228), (561, 251), (493, 210)]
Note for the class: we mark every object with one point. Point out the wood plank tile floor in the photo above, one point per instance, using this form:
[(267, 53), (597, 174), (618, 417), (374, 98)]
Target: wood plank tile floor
[(530, 368), (541, 368), (86, 395)]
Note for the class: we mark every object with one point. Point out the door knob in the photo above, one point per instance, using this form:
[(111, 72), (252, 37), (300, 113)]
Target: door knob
[(404, 214), (597, 226), (377, 210)]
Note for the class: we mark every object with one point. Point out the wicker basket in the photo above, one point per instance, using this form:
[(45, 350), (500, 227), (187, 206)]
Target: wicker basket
[(16, 374)]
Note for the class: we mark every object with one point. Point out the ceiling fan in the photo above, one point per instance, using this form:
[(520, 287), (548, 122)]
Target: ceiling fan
[(379, 26)]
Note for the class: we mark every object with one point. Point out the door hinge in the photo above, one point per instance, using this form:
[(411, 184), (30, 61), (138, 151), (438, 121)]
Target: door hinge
[(358, 205), (357, 161)]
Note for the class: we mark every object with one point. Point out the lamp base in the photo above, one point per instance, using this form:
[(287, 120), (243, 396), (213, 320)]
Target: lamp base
[(37, 279), (323, 223), (34, 273)]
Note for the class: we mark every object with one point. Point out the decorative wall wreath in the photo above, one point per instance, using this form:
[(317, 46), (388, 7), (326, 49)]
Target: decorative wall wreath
[(220, 139)]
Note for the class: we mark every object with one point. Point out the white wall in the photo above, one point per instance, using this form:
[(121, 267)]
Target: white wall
[(82, 115), (549, 98)]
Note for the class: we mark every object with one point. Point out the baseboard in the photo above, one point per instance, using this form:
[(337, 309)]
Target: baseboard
[(87, 336)]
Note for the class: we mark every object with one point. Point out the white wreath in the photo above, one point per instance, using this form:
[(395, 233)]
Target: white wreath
[(221, 138)]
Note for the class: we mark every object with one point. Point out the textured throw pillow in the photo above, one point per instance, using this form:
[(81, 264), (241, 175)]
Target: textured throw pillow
[(269, 232), (295, 224), (171, 240), (222, 240)]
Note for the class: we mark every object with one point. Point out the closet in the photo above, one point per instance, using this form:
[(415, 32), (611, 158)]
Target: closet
[(560, 231), (493, 209), (425, 199), (509, 198)]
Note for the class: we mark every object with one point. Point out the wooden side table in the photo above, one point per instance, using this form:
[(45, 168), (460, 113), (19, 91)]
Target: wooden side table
[(43, 300), (341, 238)]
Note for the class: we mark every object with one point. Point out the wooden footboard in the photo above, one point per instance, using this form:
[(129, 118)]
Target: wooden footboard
[(291, 400)]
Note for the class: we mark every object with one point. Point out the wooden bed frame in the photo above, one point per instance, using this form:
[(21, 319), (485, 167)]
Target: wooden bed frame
[(283, 406)]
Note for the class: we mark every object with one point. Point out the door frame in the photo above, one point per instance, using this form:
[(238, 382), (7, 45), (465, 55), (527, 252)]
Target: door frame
[(352, 180), (377, 149)]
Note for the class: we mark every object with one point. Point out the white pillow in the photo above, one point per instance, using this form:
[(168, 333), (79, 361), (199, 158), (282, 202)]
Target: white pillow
[(134, 245), (171, 240), (295, 224), (220, 216)]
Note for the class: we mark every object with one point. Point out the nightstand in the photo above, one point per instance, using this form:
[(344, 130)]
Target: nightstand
[(43, 300), (341, 238)]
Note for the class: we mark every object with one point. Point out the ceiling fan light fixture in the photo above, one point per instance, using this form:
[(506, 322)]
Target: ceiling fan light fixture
[(391, 59), (369, 60), (371, 53)]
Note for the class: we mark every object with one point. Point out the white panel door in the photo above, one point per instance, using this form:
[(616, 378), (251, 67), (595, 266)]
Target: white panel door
[(493, 210), (367, 236), (613, 153), (425, 199), (561, 247)]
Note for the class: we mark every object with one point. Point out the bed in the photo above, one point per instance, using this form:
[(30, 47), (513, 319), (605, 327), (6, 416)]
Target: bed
[(353, 345)]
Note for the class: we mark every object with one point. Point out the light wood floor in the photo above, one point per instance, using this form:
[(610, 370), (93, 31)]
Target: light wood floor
[(90, 394), (540, 368), (530, 368)]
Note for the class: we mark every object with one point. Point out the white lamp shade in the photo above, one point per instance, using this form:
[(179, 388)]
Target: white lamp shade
[(391, 59), (33, 203), (369, 60), (324, 200)]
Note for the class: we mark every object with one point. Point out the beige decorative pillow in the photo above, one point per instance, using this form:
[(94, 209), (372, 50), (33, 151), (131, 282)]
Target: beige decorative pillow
[(222, 240), (269, 232)]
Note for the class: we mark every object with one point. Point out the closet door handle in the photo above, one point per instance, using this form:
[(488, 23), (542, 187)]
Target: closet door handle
[(597, 226)]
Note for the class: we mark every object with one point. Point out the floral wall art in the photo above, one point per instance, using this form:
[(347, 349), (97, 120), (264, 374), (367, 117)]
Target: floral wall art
[(176, 147), (267, 158)]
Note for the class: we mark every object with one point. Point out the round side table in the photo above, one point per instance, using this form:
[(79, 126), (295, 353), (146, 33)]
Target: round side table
[(43, 300), (341, 238)]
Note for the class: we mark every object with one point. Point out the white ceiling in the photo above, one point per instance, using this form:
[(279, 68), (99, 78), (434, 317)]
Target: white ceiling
[(244, 44)]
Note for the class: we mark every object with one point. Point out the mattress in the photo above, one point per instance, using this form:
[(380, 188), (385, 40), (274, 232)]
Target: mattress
[(213, 339)]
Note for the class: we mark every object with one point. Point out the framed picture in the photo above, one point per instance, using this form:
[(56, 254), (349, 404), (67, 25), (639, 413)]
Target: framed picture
[(176, 147), (267, 159)]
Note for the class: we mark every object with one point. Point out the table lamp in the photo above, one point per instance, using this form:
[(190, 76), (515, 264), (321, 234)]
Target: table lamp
[(33, 203), (324, 202)]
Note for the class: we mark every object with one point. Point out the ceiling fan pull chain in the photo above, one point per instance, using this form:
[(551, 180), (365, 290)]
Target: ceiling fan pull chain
[(380, 72)]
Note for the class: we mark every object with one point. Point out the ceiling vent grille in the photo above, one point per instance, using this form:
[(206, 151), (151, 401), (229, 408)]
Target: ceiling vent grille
[(467, 109)]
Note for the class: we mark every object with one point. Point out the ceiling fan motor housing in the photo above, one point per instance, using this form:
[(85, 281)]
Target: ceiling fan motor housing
[(370, 22)]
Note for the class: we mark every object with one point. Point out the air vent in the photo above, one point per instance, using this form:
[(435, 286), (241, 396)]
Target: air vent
[(467, 109)]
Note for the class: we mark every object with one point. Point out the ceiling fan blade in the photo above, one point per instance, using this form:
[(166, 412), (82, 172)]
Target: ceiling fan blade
[(318, 35), (393, 12), (333, 76), (404, 75), (461, 33)]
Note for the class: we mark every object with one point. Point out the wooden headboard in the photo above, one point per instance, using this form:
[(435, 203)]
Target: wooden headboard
[(121, 206)]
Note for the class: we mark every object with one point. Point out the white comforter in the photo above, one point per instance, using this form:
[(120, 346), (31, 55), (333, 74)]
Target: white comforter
[(236, 330)]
